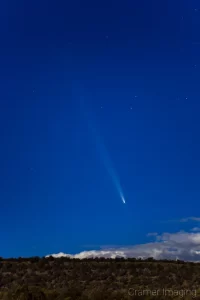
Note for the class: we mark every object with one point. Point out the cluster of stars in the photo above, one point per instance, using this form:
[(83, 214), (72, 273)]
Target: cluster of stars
[(130, 106)]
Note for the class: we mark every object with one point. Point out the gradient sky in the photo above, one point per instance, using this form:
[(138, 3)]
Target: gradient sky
[(80, 76)]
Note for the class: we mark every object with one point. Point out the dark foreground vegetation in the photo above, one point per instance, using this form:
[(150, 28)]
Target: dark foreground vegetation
[(68, 279)]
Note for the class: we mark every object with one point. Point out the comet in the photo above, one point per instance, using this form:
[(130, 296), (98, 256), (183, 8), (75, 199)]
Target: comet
[(123, 200), (109, 166), (104, 155), (102, 150)]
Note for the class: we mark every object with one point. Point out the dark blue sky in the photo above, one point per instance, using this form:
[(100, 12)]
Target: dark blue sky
[(133, 67)]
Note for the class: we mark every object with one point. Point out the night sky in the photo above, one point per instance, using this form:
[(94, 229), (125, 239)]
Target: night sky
[(97, 95)]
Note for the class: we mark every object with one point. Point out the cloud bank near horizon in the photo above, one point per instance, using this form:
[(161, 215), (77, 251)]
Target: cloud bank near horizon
[(180, 245)]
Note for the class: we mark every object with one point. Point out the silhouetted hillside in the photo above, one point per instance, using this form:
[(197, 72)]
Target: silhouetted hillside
[(100, 278)]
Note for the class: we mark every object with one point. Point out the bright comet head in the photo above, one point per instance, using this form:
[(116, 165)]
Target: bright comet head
[(123, 200)]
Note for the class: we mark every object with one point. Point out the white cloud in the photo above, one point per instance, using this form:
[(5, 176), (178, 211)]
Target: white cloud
[(195, 229), (61, 254), (194, 219), (152, 234), (181, 245)]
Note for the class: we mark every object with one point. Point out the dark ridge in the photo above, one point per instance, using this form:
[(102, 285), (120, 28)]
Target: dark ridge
[(97, 278)]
